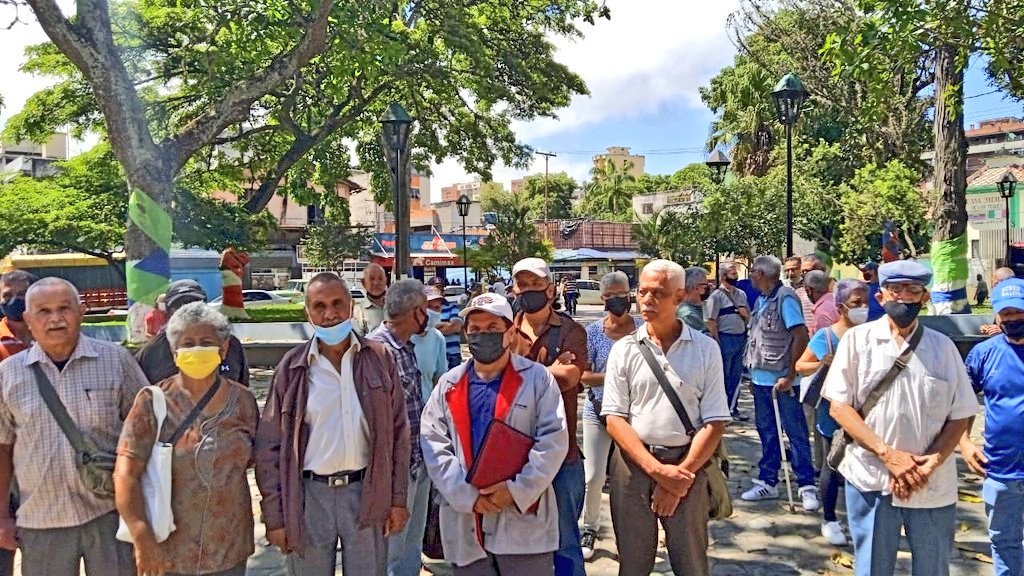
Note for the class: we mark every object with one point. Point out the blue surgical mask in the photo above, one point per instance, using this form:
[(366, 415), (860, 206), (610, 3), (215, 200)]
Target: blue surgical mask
[(333, 335), (433, 318)]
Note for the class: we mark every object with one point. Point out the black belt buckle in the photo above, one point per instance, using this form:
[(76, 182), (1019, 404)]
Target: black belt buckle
[(337, 480)]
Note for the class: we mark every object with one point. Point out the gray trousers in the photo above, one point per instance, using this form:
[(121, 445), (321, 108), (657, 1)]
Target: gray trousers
[(332, 513), (509, 565), (636, 525), (59, 551)]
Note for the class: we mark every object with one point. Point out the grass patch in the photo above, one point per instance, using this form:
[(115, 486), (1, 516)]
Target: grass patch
[(258, 314)]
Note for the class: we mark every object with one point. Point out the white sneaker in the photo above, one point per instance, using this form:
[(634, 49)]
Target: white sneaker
[(809, 494), (760, 491), (833, 532), (588, 540)]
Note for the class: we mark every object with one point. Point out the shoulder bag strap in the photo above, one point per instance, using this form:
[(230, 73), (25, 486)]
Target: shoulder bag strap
[(198, 409), (159, 407), (554, 333), (60, 413), (670, 392), (890, 376)]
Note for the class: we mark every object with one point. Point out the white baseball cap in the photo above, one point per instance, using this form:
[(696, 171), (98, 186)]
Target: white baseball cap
[(491, 303), (432, 293), (534, 265)]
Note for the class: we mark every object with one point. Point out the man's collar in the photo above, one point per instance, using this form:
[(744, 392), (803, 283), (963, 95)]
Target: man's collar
[(84, 349), (553, 319), (882, 331), (685, 334), (314, 348), (389, 335)]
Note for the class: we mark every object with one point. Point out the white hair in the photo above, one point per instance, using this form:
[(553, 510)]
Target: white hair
[(695, 276), (674, 273), (403, 296), (770, 266), (51, 281), (726, 267), (614, 279), (196, 314)]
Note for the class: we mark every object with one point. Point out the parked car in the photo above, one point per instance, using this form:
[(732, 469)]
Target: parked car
[(590, 292), (256, 298), (295, 290), (455, 294)]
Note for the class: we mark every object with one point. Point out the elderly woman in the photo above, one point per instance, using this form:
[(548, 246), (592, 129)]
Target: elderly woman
[(852, 302), (617, 323), (209, 491)]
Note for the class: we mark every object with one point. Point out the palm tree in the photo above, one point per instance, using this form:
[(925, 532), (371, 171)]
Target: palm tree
[(740, 96), (613, 186)]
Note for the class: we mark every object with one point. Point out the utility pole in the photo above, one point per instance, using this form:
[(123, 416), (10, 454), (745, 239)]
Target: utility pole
[(547, 156)]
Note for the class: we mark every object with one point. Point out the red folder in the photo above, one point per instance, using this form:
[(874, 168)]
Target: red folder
[(503, 454)]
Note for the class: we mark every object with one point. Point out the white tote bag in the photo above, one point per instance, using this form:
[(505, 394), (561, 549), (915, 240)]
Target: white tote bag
[(156, 480)]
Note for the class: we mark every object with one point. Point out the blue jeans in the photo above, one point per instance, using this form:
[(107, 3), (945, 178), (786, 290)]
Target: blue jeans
[(875, 527), (732, 362), (1004, 505), (569, 488), (794, 424), (405, 547)]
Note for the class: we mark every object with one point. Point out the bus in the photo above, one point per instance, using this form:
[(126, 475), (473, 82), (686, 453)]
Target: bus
[(100, 283)]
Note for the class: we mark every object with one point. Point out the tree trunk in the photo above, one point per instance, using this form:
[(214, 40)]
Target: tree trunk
[(949, 247), (147, 249)]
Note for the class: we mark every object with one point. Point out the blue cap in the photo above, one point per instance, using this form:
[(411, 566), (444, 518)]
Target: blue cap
[(1008, 294), (904, 271)]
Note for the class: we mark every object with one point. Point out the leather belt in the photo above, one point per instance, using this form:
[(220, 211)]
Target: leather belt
[(336, 479)]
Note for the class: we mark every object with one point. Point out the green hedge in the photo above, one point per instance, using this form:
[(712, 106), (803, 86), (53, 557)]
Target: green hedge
[(259, 314)]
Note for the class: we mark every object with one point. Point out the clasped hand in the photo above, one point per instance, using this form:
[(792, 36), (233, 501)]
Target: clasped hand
[(493, 499), (909, 472)]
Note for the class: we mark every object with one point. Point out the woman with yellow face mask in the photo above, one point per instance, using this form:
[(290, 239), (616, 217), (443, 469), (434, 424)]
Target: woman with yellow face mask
[(211, 422)]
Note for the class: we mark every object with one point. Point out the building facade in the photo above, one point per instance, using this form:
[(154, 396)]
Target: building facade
[(471, 189), (645, 206), (31, 159), (620, 156)]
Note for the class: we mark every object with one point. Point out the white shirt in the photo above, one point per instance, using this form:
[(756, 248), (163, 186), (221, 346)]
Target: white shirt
[(694, 368), (338, 433), (932, 389)]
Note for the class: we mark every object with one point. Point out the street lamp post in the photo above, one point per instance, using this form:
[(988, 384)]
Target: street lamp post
[(718, 162), (789, 95), (1007, 186), (396, 126), (463, 204)]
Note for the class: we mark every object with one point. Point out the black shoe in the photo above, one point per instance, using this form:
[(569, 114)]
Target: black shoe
[(587, 541), (740, 417)]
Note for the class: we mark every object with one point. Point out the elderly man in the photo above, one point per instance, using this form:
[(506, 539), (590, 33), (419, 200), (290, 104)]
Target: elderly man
[(691, 310), (332, 446), (919, 399), (728, 315), (996, 368), (430, 344), (510, 527), (61, 520), (657, 473), (998, 276), (406, 309), (559, 343), (14, 333), (156, 357), (369, 312), (823, 300), (778, 337)]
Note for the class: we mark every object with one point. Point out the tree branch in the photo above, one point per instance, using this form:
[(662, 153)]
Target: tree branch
[(236, 101)]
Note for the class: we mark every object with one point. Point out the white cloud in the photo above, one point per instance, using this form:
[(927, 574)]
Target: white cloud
[(15, 85)]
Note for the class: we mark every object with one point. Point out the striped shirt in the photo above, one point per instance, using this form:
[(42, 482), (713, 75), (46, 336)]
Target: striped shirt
[(98, 387), (453, 342), (409, 373)]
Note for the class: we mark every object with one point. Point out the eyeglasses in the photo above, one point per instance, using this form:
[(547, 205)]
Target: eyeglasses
[(911, 289)]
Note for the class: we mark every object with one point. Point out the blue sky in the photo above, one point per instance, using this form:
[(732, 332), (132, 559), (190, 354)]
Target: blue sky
[(643, 67)]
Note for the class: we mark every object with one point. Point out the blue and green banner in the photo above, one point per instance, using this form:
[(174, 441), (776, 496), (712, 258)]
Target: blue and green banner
[(149, 276)]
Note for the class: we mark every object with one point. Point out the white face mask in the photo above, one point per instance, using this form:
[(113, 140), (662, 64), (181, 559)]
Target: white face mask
[(857, 316)]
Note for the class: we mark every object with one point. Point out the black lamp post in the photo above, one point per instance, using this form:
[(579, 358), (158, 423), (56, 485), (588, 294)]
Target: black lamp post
[(397, 125), (1007, 186), (463, 204), (789, 95), (719, 163)]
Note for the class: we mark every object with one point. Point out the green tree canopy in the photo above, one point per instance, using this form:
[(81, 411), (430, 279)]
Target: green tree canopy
[(333, 240), (560, 189), (514, 235)]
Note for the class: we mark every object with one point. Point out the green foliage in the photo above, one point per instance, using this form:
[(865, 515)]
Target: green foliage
[(877, 195), (513, 237), (333, 240), (675, 235), (560, 187), (610, 193), (746, 217)]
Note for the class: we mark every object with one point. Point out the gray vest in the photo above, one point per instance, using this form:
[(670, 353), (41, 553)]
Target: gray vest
[(769, 342)]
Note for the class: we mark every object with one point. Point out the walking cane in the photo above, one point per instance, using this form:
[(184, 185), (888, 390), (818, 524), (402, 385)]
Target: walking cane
[(782, 449)]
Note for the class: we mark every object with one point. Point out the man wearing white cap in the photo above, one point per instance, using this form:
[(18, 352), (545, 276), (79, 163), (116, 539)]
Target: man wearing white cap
[(901, 394), (510, 527), (556, 341)]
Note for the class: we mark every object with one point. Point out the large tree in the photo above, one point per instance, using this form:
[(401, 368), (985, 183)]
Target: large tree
[(514, 235), (610, 193), (550, 196), (281, 90)]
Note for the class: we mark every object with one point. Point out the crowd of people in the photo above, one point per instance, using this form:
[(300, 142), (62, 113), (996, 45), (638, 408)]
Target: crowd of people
[(377, 435)]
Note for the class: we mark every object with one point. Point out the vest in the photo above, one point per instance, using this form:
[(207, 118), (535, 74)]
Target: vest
[(769, 343)]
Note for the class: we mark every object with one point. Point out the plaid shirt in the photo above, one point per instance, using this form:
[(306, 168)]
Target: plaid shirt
[(409, 372), (98, 387)]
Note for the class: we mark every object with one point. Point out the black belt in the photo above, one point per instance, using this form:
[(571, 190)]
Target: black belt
[(336, 479), (668, 454)]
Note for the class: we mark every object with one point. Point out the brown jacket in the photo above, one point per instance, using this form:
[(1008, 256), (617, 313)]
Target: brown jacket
[(282, 435), (571, 338)]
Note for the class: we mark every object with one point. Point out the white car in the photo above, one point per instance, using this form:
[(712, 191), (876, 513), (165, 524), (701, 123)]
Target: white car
[(590, 292), (255, 298)]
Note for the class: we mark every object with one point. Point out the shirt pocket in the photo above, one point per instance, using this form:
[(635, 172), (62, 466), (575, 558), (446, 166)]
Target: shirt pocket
[(937, 397), (101, 403)]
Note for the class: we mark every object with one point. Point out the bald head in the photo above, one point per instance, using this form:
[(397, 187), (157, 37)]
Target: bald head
[(1001, 274)]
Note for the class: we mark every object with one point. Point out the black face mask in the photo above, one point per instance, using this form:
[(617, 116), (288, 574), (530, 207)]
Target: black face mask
[(533, 301), (730, 280), (618, 305), (1014, 329), (902, 314), (486, 347), (14, 308), (423, 324)]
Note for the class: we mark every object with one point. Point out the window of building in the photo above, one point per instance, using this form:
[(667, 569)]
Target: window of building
[(648, 209), (414, 193), (312, 214), (975, 248)]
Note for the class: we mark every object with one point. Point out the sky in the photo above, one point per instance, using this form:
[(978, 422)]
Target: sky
[(643, 68)]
